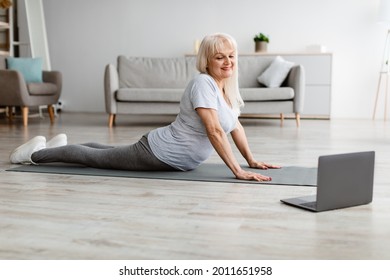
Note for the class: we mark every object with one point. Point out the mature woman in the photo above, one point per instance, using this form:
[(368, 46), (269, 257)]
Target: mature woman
[(209, 109)]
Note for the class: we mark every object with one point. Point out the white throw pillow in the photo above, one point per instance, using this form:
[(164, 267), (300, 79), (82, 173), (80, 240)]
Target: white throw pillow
[(276, 73)]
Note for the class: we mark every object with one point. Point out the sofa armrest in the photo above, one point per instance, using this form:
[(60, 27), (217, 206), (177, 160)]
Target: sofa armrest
[(111, 85), (54, 77), (296, 80), (13, 89)]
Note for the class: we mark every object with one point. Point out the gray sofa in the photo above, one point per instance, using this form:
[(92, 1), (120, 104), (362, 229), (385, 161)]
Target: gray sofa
[(139, 85)]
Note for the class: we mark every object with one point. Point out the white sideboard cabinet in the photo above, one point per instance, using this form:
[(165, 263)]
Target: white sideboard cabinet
[(318, 73), (318, 70)]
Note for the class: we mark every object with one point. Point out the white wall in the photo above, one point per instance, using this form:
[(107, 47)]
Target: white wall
[(85, 35)]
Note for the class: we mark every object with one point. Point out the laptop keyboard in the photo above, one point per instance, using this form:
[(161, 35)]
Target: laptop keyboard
[(312, 204)]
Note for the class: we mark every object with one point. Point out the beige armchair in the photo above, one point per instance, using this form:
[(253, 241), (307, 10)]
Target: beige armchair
[(14, 92)]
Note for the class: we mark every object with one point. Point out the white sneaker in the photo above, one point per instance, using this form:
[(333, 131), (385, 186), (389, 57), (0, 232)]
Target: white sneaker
[(22, 154), (57, 141)]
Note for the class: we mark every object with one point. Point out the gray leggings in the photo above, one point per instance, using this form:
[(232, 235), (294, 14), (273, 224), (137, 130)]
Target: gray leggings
[(134, 157)]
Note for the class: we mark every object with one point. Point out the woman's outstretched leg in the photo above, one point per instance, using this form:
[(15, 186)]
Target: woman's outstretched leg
[(97, 145), (133, 157)]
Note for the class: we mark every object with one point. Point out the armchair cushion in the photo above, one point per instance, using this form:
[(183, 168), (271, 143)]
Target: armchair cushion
[(276, 73), (31, 68), (42, 88)]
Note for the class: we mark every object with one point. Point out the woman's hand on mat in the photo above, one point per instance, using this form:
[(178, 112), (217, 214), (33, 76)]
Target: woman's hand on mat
[(263, 165), (247, 175)]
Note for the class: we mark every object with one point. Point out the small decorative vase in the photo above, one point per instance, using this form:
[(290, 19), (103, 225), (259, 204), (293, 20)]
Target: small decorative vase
[(261, 46)]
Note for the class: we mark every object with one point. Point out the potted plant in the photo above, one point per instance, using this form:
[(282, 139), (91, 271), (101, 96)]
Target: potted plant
[(261, 42)]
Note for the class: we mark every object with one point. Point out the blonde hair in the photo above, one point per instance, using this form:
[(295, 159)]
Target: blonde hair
[(211, 45)]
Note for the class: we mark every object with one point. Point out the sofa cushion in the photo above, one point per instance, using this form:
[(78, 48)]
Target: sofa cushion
[(149, 94), (41, 88), (276, 73), (30, 68), (250, 68), (174, 95), (266, 94), (143, 72)]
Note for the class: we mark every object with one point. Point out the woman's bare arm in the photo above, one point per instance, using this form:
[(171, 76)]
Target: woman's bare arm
[(222, 146)]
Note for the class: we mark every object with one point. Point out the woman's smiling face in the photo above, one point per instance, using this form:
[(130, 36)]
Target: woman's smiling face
[(220, 65)]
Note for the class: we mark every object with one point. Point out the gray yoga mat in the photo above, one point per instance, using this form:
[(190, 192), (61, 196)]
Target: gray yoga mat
[(288, 175)]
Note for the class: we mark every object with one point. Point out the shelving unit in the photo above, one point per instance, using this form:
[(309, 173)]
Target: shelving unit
[(6, 36), (318, 71), (6, 31), (22, 31)]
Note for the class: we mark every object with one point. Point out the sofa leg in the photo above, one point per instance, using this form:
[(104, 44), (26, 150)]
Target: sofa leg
[(298, 119), (50, 109), (281, 119), (25, 115), (111, 120)]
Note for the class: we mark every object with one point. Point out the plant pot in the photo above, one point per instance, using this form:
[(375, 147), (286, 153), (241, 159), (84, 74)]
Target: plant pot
[(261, 46)]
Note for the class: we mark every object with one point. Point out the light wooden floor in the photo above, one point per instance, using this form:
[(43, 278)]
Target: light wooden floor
[(44, 216)]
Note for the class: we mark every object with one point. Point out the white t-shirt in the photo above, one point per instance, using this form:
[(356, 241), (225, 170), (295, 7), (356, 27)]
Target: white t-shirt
[(184, 144)]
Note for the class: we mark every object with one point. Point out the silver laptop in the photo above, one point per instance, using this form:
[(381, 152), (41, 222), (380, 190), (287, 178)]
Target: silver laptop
[(343, 180)]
